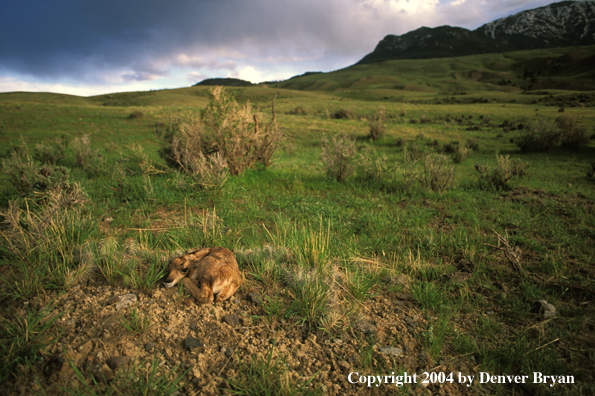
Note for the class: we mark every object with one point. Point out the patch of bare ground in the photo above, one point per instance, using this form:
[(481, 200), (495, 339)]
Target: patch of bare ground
[(92, 336)]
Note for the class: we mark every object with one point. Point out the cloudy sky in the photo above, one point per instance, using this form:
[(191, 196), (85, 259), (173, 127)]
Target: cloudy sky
[(90, 47)]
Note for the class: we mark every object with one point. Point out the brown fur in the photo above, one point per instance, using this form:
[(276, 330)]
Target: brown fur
[(215, 270)]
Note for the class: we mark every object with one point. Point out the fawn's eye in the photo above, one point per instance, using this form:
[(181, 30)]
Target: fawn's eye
[(184, 270)]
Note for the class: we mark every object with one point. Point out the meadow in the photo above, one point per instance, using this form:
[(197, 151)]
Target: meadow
[(438, 240)]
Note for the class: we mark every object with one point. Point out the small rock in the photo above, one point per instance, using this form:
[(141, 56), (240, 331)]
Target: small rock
[(149, 346), (117, 362), (125, 301), (391, 351), (105, 376), (264, 334), (404, 296), (235, 301), (255, 298), (86, 347), (343, 365), (232, 320), (410, 321), (229, 352), (366, 327), (115, 318), (545, 308), (112, 300), (192, 343)]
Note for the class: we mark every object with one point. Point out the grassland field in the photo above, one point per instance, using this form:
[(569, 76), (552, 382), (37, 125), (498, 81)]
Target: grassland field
[(392, 236)]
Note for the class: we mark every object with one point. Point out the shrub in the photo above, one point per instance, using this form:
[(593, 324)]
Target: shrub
[(424, 119), (300, 110), (338, 155), (472, 144), (460, 155), (136, 115), (371, 166), (376, 130), (376, 125), (51, 152), (29, 176), (437, 175), (208, 172), (451, 147), (46, 243), (224, 127), (344, 114), (573, 135), (541, 135), (87, 158), (501, 176), (413, 152)]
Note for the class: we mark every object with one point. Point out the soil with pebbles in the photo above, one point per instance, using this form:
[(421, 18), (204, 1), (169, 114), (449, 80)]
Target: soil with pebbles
[(210, 340)]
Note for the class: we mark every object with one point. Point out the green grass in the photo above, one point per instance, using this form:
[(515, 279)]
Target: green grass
[(344, 238)]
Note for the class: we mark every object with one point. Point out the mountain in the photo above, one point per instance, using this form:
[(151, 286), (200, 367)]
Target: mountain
[(564, 24)]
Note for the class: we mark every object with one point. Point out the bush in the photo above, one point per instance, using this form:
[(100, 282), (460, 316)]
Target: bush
[(87, 158), (371, 166), (414, 151), (472, 144), (51, 152), (29, 176), (540, 136), (451, 147), (300, 110), (437, 175), (344, 114), (377, 130), (573, 135), (460, 155), (503, 174), (224, 127), (45, 243), (136, 115), (338, 155), (376, 125)]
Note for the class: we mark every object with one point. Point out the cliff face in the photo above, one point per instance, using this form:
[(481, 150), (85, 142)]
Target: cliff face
[(563, 24)]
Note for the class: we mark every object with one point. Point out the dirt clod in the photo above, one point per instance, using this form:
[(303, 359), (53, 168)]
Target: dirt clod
[(232, 320), (192, 343), (116, 362)]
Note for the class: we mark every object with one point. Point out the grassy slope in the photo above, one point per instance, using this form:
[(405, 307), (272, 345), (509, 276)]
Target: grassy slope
[(551, 220), (462, 74)]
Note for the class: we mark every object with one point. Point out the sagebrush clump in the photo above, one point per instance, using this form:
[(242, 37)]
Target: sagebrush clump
[(573, 135), (377, 125), (29, 176), (224, 127), (338, 155), (503, 174), (437, 175), (540, 136)]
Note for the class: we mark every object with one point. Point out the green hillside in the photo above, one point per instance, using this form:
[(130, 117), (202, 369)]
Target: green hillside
[(560, 68)]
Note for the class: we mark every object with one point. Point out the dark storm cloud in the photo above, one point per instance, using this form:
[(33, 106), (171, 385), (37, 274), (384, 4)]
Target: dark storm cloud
[(137, 40), (68, 37)]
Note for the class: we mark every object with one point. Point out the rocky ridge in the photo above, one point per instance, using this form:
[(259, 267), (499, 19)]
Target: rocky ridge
[(563, 24)]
